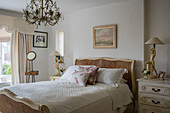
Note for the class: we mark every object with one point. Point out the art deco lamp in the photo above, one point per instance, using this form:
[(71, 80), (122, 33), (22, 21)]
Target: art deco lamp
[(57, 60), (150, 65)]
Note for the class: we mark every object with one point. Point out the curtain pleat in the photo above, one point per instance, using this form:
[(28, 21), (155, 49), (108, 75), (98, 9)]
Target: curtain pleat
[(20, 46), (28, 47)]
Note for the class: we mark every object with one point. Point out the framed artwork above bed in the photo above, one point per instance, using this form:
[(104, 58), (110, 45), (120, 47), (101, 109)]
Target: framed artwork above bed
[(40, 39), (105, 36)]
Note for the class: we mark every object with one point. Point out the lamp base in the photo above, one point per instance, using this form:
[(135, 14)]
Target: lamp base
[(57, 75), (151, 76)]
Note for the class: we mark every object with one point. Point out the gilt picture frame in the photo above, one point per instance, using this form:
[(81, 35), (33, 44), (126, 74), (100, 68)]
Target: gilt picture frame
[(105, 36), (40, 39)]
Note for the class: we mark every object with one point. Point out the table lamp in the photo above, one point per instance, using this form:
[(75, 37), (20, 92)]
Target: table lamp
[(57, 60), (151, 64)]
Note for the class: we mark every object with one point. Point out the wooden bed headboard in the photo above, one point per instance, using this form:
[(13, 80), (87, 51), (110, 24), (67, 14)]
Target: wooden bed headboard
[(113, 63)]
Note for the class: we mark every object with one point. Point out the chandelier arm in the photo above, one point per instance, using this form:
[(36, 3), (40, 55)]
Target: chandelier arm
[(52, 24), (31, 22), (35, 18)]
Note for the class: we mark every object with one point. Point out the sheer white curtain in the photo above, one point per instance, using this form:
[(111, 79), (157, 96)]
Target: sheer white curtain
[(20, 45)]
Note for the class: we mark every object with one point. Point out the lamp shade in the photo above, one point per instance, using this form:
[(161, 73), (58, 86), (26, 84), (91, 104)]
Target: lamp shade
[(154, 40), (55, 53)]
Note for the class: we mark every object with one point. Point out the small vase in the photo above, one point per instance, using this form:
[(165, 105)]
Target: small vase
[(146, 77)]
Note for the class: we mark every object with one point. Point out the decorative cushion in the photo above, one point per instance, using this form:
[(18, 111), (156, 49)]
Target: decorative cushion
[(93, 73), (69, 72), (111, 76), (79, 77)]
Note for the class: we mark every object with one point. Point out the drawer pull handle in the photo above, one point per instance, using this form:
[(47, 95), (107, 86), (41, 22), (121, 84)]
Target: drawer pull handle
[(156, 90), (155, 102)]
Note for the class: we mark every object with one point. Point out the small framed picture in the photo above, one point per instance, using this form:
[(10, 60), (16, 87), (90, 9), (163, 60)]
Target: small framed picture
[(161, 75), (40, 39)]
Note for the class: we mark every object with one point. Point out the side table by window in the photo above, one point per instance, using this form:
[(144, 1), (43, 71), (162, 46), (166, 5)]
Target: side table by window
[(31, 73), (31, 55)]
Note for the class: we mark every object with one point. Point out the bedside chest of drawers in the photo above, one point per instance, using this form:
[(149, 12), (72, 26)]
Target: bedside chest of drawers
[(154, 95)]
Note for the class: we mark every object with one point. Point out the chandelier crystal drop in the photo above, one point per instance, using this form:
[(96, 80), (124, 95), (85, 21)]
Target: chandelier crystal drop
[(42, 11)]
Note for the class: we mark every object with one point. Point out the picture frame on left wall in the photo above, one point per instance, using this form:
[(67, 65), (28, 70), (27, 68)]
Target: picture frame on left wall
[(40, 39)]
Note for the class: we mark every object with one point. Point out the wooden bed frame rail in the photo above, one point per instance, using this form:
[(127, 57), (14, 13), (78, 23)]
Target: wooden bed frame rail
[(11, 103)]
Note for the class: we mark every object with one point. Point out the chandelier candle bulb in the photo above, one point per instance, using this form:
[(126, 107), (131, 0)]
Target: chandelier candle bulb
[(42, 11)]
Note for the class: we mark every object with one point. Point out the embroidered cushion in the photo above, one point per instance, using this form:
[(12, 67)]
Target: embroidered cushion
[(79, 77), (90, 69), (93, 73)]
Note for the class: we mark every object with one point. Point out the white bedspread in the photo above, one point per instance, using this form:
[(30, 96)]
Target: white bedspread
[(63, 97)]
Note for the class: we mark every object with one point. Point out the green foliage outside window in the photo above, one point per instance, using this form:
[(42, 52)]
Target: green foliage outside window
[(6, 69)]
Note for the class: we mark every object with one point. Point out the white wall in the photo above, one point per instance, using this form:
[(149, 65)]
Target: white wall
[(42, 60), (78, 27), (68, 43), (129, 16), (157, 24)]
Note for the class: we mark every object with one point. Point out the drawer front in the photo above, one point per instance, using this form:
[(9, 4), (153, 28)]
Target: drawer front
[(155, 101), (149, 109), (146, 88)]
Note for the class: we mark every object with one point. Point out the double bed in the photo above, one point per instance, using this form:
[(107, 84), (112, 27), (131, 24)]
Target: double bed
[(63, 97)]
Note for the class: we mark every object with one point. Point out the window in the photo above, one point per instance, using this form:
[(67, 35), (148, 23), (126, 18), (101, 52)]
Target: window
[(60, 42), (5, 59)]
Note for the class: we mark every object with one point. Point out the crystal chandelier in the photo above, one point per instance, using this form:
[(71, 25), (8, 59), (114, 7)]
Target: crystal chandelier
[(42, 11)]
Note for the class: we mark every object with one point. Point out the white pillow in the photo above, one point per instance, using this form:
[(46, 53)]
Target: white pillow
[(79, 77), (110, 76), (69, 72)]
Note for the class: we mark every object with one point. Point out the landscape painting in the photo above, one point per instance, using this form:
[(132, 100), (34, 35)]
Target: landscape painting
[(104, 36)]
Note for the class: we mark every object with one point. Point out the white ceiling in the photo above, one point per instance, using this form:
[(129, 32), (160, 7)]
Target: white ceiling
[(66, 6)]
